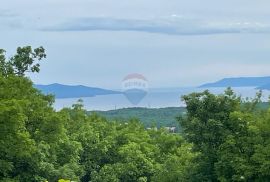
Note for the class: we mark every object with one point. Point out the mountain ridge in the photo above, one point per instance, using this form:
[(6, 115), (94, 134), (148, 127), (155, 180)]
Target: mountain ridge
[(257, 82), (73, 91)]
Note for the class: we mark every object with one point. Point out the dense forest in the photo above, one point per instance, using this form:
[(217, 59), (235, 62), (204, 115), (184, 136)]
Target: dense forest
[(223, 138), (149, 117)]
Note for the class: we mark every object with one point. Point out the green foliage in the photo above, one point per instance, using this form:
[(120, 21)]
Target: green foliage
[(163, 117), (125, 151), (23, 61), (40, 144), (223, 137), (34, 142), (231, 135)]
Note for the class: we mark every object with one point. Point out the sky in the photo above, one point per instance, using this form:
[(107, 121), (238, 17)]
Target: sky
[(172, 43)]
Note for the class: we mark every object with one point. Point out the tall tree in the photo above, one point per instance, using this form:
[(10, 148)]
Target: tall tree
[(25, 60), (207, 124)]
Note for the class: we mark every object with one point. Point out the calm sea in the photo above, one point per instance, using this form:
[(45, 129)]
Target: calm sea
[(156, 98)]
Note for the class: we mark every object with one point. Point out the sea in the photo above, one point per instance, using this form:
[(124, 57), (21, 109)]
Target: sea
[(155, 98)]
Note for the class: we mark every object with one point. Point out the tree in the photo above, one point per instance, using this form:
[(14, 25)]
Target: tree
[(231, 135), (25, 60), (35, 145), (207, 125), (224, 138)]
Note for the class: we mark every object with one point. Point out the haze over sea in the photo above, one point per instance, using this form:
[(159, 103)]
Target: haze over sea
[(156, 98)]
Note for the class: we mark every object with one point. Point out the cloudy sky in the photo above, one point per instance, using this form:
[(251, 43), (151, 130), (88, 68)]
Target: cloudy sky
[(174, 43)]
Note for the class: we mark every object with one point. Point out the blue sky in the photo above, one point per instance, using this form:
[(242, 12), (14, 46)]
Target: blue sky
[(173, 43)]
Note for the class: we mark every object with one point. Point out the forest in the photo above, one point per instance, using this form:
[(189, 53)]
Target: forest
[(149, 117), (223, 137)]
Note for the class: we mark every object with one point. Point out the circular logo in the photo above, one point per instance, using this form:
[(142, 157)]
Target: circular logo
[(135, 87)]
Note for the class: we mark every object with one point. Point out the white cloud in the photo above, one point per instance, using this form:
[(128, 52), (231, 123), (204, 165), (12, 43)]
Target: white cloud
[(7, 13), (174, 25), (9, 20)]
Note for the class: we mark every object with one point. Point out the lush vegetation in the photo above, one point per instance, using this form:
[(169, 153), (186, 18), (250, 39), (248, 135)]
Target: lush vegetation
[(163, 117), (223, 137)]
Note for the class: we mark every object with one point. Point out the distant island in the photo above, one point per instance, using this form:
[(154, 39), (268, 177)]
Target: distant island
[(73, 91), (80, 91), (262, 83)]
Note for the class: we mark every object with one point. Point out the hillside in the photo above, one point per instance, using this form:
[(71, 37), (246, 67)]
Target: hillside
[(68, 91), (162, 117), (239, 82)]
